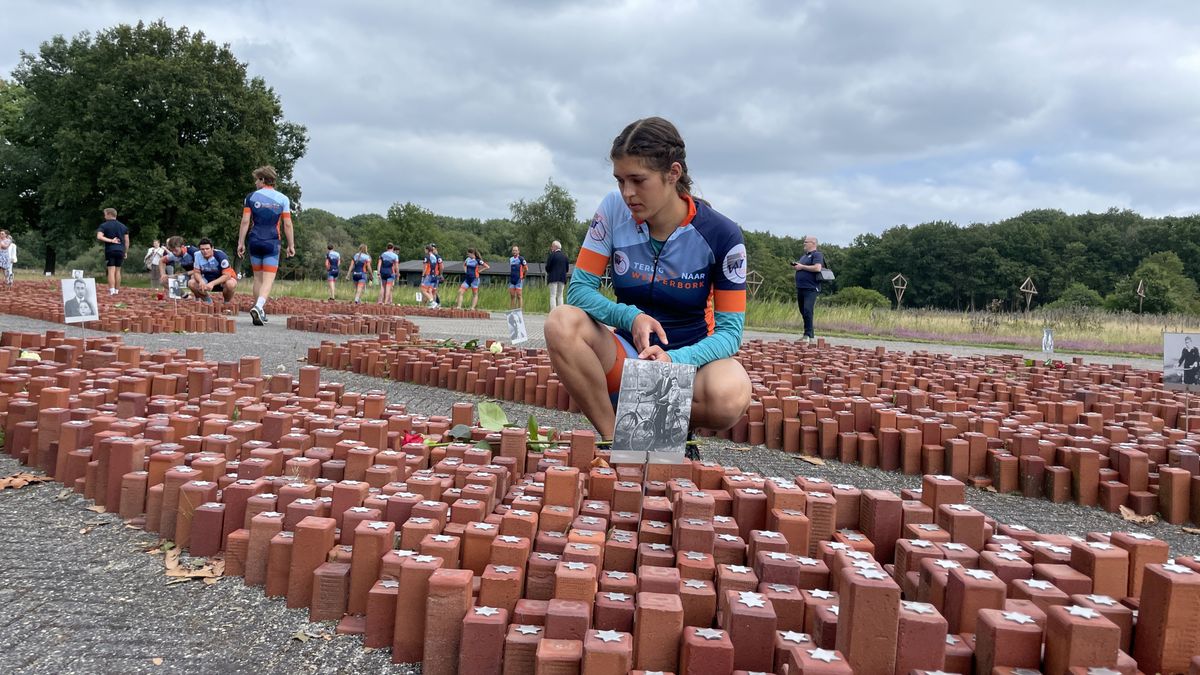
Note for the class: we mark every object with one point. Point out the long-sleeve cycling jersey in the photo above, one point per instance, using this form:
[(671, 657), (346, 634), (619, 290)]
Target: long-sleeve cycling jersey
[(694, 284)]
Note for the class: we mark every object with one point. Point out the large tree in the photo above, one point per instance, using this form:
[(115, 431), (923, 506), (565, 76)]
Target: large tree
[(548, 218), (160, 123)]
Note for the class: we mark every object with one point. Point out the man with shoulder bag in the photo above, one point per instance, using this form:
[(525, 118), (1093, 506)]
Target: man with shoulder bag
[(810, 273)]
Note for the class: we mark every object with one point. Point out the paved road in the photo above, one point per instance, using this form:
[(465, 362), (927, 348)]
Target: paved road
[(80, 595)]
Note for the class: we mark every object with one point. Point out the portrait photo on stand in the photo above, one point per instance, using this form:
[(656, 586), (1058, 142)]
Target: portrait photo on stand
[(516, 327), (1181, 361), (175, 288), (653, 411), (79, 300)]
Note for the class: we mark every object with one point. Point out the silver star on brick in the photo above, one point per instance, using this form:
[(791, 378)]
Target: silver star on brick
[(659, 547), (838, 546), (1083, 612), (424, 558), (359, 509), (943, 477), (836, 610), (960, 507), (696, 521), (952, 639), (792, 512), (982, 575), (404, 553), (529, 630), (576, 565), (486, 611), (484, 526), (1099, 546), (752, 599), (918, 607), (307, 502), (420, 521), (1060, 550), (582, 547), (1018, 528), (509, 539), (781, 588), (695, 583), (946, 564), (617, 597), (751, 491), (819, 495), (613, 574), (1177, 569), (808, 561), (875, 574), (548, 556), (776, 555), (858, 555), (740, 569), (554, 535), (390, 583), (1010, 548), (1101, 600), (710, 633), (821, 594), (722, 519), (443, 538), (504, 569), (928, 527), (376, 525), (521, 512), (1038, 584), (1011, 557), (794, 637), (954, 547), (695, 555), (864, 564), (1140, 536), (1017, 617), (826, 655), (1102, 671), (727, 537), (769, 534), (609, 636)]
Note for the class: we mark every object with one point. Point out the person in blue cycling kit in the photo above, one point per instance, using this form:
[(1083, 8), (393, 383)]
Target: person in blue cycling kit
[(389, 265), (212, 273), (360, 271), (264, 213), (679, 275), (472, 266), (517, 268), (333, 267)]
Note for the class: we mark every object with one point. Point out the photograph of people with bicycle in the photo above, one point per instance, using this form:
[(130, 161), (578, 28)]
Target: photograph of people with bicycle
[(653, 409)]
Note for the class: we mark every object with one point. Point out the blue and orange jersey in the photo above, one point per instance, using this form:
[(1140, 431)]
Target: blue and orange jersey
[(333, 260), (694, 283), (471, 269), (388, 263), (268, 208), (184, 260), (361, 264), (212, 268), (517, 267), (433, 265)]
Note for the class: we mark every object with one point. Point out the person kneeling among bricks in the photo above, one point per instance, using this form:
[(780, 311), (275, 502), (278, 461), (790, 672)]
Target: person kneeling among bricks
[(212, 272)]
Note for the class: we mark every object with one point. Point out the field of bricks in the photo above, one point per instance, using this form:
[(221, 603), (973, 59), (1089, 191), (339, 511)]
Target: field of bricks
[(462, 546)]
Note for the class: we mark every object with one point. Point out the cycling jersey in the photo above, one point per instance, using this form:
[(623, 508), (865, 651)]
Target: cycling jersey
[(267, 208), (694, 285), (216, 266), (387, 263), (433, 265), (333, 261), (184, 260), (471, 269), (516, 269), (361, 263)]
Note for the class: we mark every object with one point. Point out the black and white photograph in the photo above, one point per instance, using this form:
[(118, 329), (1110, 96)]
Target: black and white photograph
[(175, 288), (516, 327), (1048, 342), (653, 411), (79, 300), (1181, 361)]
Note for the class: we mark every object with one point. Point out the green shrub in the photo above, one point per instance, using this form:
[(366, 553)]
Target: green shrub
[(91, 261), (858, 297), (1077, 295)]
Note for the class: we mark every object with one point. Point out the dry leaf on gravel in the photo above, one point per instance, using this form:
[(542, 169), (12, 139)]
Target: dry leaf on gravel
[(96, 509), (1132, 516), (811, 460), (88, 527), (989, 488), (157, 661), (195, 569), (300, 635), (20, 480), (1191, 530)]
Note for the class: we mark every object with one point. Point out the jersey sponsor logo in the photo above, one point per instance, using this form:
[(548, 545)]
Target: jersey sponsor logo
[(598, 230), (734, 266), (620, 262)]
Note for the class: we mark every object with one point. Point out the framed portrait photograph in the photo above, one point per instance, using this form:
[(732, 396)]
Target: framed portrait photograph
[(653, 412), (516, 327), (79, 300), (1181, 361)]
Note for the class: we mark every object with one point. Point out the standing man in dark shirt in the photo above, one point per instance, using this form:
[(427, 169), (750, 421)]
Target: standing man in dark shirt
[(808, 282), (556, 274), (115, 236)]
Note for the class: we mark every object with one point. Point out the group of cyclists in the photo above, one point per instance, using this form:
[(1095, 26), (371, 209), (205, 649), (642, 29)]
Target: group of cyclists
[(386, 269)]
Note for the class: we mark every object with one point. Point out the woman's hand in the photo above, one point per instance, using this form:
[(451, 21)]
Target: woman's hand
[(642, 327), (655, 353)]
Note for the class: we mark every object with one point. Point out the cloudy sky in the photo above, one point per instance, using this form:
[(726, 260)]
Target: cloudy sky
[(827, 117)]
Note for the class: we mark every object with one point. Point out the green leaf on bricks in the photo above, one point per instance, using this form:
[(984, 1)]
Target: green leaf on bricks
[(491, 417)]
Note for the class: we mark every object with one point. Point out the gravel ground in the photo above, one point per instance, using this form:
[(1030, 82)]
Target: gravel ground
[(75, 602)]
